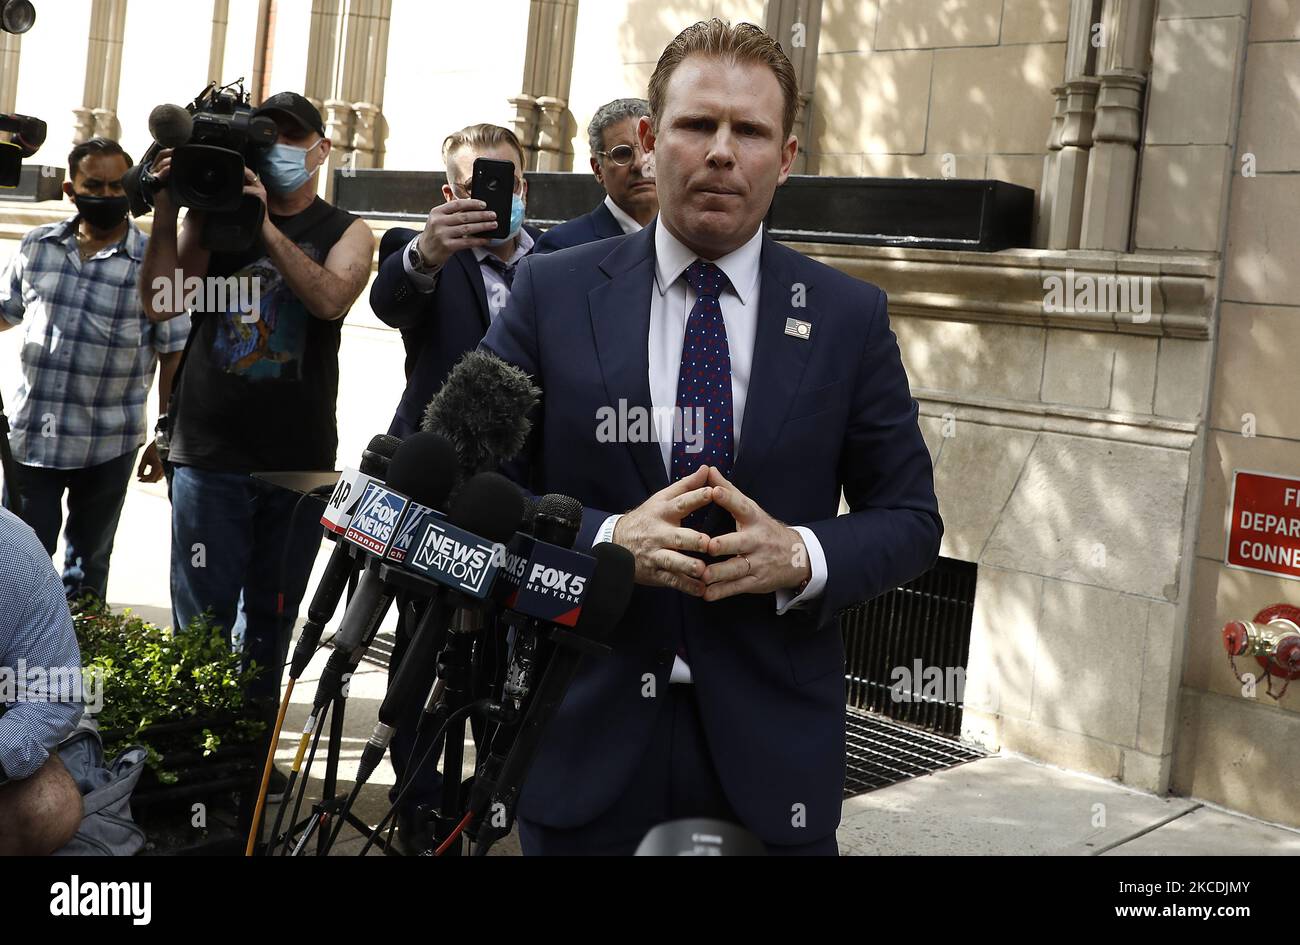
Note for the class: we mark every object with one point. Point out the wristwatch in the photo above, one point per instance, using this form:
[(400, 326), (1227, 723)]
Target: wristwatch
[(162, 436), (417, 261)]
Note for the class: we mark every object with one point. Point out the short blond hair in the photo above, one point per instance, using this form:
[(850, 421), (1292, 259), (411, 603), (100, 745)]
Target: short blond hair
[(480, 137), (742, 43)]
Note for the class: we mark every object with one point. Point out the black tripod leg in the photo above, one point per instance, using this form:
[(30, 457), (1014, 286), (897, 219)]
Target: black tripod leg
[(329, 790)]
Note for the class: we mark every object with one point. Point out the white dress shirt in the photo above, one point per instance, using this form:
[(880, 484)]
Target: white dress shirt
[(670, 307), (628, 224), (498, 293)]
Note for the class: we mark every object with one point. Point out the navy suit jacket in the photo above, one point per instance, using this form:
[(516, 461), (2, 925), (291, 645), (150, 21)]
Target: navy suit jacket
[(437, 327), (827, 412), (599, 224)]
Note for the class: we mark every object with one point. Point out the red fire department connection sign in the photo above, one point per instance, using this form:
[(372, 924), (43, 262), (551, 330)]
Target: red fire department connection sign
[(1264, 532)]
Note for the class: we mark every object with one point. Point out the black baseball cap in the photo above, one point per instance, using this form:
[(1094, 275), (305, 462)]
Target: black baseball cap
[(294, 107)]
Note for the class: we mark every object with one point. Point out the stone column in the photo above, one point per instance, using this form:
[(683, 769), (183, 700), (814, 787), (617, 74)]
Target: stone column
[(796, 25), (217, 49), (263, 47), (1066, 170), (525, 124), (10, 49), (1045, 194), (1112, 166), (365, 70), (98, 112), (542, 119), (322, 49), (347, 61)]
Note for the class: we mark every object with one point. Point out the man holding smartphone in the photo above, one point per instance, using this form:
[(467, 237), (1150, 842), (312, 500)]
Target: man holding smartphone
[(442, 287)]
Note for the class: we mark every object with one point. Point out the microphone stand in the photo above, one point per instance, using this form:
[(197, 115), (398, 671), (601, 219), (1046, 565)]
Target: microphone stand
[(456, 673), (309, 483)]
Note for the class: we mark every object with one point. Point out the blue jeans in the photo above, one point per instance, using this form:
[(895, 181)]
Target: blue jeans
[(95, 497), (236, 553)]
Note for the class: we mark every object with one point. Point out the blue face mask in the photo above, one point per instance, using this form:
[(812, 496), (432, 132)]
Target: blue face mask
[(284, 167), (516, 220)]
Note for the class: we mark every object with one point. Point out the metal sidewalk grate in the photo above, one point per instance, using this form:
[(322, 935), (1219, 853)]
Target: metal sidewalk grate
[(881, 752)]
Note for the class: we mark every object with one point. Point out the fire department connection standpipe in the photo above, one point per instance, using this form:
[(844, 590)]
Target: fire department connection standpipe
[(1273, 638)]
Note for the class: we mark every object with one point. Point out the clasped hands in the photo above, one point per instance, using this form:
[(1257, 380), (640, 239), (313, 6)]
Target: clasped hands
[(766, 554)]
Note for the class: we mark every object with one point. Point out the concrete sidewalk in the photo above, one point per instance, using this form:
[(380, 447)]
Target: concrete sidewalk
[(1007, 805)]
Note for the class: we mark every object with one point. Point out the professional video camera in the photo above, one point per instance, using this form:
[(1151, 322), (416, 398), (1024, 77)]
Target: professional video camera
[(214, 138), (28, 135)]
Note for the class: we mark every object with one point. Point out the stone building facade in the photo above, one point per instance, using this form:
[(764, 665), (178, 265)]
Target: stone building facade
[(1086, 400)]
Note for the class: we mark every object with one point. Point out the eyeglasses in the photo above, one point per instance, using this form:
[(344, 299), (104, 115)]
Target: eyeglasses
[(622, 154)]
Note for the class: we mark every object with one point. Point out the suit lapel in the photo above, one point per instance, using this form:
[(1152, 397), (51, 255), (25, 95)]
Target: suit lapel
[(778, 366), (474, 273), (620, 322), (604, 224)]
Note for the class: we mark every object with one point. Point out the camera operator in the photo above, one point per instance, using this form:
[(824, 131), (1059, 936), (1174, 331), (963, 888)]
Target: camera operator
[(88, 358), (257, 389)]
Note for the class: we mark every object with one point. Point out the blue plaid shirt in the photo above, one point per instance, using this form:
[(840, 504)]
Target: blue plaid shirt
[(36, 630), (89, 351)]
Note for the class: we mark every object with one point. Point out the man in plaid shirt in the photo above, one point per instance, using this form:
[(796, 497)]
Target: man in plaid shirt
[(88, 359)]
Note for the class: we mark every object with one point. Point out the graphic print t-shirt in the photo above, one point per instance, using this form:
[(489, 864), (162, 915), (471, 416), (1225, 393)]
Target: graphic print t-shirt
[(259, 394)]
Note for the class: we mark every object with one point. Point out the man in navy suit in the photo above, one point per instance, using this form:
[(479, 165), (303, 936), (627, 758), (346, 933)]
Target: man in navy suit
[(443, 285), (773, 383), (623, 169)]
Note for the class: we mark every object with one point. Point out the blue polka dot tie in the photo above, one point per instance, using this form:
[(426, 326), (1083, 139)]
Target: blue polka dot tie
[(704, 383)]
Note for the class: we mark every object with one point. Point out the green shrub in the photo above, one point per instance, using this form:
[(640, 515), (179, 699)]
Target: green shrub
[(150, 676)]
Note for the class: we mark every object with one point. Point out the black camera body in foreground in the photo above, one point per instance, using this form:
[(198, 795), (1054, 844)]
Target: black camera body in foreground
[(214, 138)]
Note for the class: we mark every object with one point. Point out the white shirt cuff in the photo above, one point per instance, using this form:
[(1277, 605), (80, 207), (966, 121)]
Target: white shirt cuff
[(785, 598), (681, 673), (606, 532), (423, 281)]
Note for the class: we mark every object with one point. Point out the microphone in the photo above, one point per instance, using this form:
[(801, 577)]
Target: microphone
[(170, 125), (482, 408), (423, 467), (488, 509), (502, 779), (556, 522), (342, 564)]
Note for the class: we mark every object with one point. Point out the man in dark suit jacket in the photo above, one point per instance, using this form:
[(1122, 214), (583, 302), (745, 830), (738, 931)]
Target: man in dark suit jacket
[(443, 285), (623, 169), (725, 696)]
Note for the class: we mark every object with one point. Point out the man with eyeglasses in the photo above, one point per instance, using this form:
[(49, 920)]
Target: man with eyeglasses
[(443, 285), (623, 169)]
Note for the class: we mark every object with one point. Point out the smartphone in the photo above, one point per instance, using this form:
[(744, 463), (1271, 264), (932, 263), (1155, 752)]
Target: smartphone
[(494, 183)]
